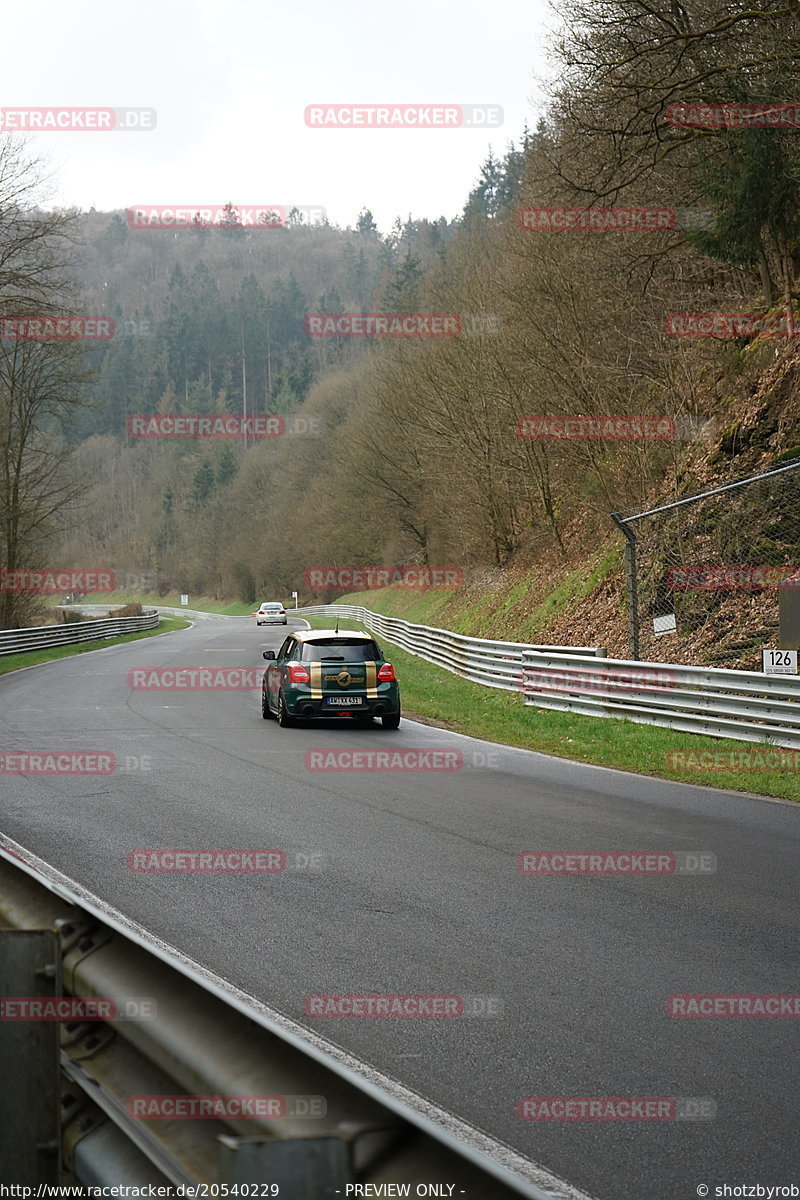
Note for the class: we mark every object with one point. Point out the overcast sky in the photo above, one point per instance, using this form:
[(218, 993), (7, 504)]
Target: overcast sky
[(230, 81)]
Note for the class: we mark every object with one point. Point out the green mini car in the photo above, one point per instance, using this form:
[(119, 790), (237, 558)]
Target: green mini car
[(322, 673)]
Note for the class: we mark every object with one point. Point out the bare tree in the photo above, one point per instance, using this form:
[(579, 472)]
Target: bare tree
[(40, 381)]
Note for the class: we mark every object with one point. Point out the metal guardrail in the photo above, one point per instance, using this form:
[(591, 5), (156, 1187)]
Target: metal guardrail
[(343, 1122), (494, 664), (171, 611), (743, 705), (16, 641)]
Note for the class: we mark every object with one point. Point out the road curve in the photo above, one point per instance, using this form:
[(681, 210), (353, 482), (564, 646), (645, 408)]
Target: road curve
[(417, 890)]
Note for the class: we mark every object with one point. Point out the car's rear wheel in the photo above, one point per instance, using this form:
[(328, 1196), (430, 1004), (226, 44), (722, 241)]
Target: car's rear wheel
[(391, 720), (284, 720), (265, 709)]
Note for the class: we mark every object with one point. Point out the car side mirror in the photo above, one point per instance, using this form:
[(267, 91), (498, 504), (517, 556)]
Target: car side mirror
[(269, 654)]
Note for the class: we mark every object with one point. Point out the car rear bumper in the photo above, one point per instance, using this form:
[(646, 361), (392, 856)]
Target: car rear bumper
[(319, 710)]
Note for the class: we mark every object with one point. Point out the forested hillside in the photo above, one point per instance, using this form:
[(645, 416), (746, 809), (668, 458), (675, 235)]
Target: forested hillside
[(420, 458), (194, 308)]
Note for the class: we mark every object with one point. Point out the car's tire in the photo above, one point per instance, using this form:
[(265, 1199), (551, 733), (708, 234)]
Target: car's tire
[(266, 711), (284, 720), (391, 720)]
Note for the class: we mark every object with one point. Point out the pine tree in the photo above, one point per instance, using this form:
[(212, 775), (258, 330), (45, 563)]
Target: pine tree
[(226, 465), (755, 187), (366, 223), (203, 483), (486, 197)]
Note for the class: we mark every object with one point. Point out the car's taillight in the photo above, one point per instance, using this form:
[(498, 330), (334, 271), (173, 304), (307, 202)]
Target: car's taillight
[(298, 673), (386, 673)]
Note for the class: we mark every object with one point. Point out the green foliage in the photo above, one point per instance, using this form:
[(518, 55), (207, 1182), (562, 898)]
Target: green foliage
[(754, 184), (203, 483), (226, 465), (366, 222)]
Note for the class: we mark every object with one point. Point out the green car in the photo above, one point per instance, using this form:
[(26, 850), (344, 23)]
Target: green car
[(322, 673)]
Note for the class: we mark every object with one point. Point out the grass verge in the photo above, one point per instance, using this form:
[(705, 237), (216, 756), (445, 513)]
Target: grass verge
[(447, 700), (32, 658)]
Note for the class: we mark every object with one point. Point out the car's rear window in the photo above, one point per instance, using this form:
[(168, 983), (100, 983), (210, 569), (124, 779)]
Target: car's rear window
[(271, 607), (342, 650)]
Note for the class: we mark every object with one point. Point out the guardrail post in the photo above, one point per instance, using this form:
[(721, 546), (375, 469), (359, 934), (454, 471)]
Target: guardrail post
[(30, 1125)]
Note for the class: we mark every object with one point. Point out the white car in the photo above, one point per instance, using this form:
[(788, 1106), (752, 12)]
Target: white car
[(271, 614)]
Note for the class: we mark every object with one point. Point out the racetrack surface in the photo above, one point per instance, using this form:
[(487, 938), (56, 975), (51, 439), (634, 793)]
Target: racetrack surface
[(417, 890)]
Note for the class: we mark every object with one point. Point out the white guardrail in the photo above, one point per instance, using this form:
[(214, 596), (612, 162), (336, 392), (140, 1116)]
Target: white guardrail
[(494, 664), (283, 1109), (743, 705), (41, 637)]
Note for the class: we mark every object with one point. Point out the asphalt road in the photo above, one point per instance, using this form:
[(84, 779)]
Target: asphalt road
[(417, 891)]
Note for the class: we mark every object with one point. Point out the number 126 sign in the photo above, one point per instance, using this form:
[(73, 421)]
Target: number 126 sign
[(779, 662)]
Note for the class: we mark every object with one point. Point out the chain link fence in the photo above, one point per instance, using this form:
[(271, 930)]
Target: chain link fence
[(710, 567)]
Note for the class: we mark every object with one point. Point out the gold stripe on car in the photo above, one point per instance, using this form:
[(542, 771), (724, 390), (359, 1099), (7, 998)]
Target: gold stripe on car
[(372, 680), (316, 680)]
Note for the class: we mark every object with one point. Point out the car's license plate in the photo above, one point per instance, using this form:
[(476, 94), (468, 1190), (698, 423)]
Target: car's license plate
[(345, 701)]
